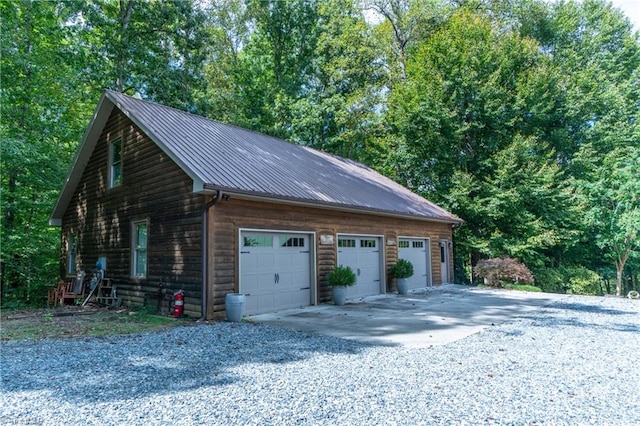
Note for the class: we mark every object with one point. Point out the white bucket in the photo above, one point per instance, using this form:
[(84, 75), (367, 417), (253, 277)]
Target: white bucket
[(234, 306)]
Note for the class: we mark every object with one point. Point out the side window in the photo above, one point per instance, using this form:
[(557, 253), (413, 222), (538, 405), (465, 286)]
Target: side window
[(115, 163), (139, 240), (72, 248)]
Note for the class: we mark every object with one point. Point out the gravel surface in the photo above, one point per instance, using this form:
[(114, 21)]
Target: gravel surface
[(571, 363)]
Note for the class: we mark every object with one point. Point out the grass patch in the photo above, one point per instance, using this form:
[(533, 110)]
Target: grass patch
[(52, 323), (523, 287)]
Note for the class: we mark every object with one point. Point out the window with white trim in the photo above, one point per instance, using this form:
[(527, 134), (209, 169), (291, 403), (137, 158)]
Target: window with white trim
[(139, 243), (344, 242), (115, 163), (291, 241), (258, 241), (367, 243), (72, 248)]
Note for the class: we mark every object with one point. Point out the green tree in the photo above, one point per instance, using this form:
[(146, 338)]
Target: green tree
[(337, 110), (610, 195), (464, 119), (43, 109)]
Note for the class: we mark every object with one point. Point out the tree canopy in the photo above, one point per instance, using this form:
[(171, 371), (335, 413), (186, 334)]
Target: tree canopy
[(519, 116)]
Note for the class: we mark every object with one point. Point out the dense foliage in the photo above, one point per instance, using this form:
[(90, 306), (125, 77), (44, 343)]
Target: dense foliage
[(401, 269), (341, 276), (520, 116)]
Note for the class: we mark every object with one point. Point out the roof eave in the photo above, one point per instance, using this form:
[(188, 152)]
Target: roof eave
[(273, 198)]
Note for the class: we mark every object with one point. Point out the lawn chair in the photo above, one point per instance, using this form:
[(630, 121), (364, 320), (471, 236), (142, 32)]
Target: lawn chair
[(72, 290), (53, 295)]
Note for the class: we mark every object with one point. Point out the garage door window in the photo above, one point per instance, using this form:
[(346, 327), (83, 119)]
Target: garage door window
[(368, 243), (403, 244), (346, 242), (258, 241), (291, 242), (418, 244)]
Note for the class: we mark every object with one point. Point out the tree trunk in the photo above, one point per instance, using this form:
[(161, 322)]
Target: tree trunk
[(619, 269), (622, 260)]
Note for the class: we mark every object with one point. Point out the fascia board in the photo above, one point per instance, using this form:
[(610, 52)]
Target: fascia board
[(361, 210)]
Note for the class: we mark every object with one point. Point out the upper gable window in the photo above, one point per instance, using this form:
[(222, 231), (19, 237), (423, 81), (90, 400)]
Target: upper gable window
[(115, 163)]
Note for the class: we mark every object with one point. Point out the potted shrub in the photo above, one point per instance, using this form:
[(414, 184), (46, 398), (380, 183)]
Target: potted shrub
[(402, 270), (339, 279)]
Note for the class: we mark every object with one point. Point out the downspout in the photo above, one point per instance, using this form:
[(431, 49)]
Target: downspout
[(205, 255)]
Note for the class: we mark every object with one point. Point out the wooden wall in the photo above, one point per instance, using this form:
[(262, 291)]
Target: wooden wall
[(154, 188), (228, 217)]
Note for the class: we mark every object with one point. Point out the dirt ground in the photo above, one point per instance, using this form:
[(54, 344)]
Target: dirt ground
[(76, 321)]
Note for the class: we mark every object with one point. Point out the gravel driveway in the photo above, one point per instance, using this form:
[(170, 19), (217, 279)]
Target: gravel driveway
[(573, 362)]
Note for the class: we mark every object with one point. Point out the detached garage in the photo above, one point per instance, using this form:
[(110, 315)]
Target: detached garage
[(173, 201)]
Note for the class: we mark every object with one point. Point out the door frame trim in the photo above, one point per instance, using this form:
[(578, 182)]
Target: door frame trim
[(313, 258), (445, 243)]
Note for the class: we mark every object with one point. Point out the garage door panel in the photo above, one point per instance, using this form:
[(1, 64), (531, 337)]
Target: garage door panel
[(362, 255), (266, 261), (416, 250), (275, 271)]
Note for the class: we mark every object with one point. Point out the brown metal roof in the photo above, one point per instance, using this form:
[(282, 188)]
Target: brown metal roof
[(220, 156)]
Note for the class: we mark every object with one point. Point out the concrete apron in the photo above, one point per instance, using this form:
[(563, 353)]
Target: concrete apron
[(431, 317)]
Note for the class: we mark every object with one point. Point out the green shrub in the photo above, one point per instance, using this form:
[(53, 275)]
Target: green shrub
[(568, 279), (341, 276), (550, 280), (523, 287), (582, 280), (27, 296), (401, 269)]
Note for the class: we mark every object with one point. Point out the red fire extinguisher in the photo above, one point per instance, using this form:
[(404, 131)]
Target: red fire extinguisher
[(178, 303)]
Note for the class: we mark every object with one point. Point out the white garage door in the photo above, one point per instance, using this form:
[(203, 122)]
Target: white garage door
[(275, 271), (416, 251), (362, 254)]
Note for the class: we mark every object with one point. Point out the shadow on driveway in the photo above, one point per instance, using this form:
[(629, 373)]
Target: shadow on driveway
[(426, 318)]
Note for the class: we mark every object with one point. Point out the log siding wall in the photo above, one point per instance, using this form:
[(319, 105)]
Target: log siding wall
[(153, 188), (227, 218)]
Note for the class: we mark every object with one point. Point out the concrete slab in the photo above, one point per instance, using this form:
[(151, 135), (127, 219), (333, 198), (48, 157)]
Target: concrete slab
[(431, 317)]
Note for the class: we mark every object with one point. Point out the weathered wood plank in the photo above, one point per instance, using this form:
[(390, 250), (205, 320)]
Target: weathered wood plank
[(153, 188)]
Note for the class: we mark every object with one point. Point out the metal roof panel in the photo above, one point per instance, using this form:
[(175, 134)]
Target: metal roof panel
[(224, 156)]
